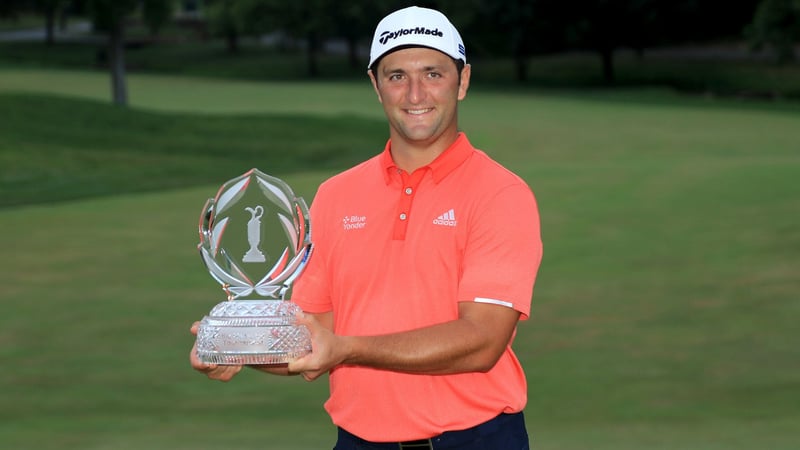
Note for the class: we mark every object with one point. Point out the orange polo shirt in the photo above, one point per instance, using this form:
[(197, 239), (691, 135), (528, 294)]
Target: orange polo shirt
[(395, 251)]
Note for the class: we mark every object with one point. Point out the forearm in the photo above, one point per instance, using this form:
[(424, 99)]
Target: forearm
[(452, 347), (471, 343)]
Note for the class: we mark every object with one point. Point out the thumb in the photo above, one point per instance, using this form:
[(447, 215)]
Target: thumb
[(297, 365)]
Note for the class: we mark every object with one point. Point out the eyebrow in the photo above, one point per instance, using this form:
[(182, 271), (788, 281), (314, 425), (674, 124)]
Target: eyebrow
[(433, 67)]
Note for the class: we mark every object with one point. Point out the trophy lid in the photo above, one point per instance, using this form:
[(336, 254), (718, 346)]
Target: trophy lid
[(255, 236)]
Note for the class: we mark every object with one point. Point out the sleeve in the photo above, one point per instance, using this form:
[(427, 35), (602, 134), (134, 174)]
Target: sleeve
[(503, 250), (311, 291)]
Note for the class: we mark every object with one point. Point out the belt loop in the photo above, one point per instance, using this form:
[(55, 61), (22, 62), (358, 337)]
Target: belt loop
[(427, 444)]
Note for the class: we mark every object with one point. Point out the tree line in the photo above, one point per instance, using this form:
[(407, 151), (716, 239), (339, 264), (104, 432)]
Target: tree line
[(516, 29)]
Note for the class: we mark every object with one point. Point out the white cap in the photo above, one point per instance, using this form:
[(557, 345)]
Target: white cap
[(416, 27)]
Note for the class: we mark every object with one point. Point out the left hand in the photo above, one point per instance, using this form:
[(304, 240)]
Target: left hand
[(212, 371)]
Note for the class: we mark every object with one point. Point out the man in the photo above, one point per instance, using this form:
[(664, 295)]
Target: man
[(424, 262)]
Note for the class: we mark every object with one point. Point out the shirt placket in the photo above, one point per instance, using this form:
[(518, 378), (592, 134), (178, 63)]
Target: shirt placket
[(408, 190)]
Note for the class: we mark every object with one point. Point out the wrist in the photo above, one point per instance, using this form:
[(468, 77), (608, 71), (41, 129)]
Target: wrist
[(348, 346)]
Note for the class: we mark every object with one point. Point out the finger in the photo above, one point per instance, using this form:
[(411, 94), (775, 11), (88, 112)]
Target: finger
[(224, 373), (197, 363), (302, 318), (311, 375), (299, 365)]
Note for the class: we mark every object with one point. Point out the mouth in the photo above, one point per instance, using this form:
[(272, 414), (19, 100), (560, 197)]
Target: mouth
[(419, 112)]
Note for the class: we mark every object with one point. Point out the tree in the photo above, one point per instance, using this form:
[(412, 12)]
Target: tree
[(10, 9), (524, 28), (224, 22), (602, 26), (310, 20), (109, 16), (776, 25), (156, 13), (355, 20), (519, 29), (51, 9)]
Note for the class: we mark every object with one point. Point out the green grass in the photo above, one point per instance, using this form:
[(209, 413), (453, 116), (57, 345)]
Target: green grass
[(201, 95), (64, 149), (664, 311)]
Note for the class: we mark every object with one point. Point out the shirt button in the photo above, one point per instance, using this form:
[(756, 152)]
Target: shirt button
[(403, 216), (409, 191)]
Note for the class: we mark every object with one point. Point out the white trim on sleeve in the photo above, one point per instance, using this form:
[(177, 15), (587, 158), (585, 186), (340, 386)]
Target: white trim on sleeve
[(494, 302)]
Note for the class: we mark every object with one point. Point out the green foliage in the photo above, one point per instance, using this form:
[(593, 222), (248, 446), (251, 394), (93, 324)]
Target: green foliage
[(108, 14), (776, 25), (52, 5), (157, 13), (221, 18), (258, 16), (13, 8)]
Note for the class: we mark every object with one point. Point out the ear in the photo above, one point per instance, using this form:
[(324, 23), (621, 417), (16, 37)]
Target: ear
[(375, 84), (462, 88)]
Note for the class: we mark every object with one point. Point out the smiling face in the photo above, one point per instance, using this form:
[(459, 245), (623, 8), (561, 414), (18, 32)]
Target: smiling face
[(419, 89)]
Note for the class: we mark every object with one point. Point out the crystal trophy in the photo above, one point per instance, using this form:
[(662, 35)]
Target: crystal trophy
[(255, 240)]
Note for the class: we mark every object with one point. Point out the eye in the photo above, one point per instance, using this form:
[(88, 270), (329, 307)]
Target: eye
[(396, 77), (434, 75)]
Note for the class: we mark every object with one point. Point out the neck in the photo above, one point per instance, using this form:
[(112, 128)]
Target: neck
[(411, 155)]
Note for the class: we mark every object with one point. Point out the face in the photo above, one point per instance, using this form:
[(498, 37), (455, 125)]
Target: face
[(419, 89)]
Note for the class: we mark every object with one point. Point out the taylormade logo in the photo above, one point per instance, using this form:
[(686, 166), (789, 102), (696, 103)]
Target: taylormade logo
[(386, 36)]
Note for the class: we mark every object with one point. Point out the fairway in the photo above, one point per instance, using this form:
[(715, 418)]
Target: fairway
[(663, 316), (198, 95)]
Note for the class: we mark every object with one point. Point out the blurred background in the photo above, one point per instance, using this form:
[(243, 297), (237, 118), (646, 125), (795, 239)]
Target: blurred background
[(662, 140), (708, 47)]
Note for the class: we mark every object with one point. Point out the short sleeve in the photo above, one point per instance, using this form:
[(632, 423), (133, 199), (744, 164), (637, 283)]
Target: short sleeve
[(503, 250)]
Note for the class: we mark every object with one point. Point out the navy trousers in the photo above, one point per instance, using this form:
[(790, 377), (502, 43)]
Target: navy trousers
[(504, 432)]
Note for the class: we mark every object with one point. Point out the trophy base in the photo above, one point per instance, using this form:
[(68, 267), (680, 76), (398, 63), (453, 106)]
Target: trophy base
[(242, 332)]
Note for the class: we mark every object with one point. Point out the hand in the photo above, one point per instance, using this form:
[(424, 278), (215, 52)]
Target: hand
[(212, 371), (326, 350)]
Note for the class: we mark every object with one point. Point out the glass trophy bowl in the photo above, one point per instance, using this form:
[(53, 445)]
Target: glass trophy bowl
[(255, 240)]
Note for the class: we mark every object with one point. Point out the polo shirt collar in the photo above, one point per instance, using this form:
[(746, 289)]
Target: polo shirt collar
[(440, 167)]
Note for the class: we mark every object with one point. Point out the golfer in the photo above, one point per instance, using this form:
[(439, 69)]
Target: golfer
[(424, 261)]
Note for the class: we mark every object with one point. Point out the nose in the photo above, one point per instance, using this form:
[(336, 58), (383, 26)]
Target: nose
[(416, 90)]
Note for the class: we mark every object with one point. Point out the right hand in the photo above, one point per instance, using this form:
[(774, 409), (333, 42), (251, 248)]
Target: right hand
[(212, 371)]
